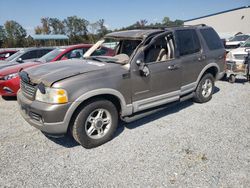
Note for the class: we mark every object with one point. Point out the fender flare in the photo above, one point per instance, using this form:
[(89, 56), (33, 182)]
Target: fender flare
[(125, 109)]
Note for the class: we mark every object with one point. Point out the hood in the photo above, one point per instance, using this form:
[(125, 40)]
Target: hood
[(4, 64), (53, 72), (233, 42), (16, 68), (238, 51)]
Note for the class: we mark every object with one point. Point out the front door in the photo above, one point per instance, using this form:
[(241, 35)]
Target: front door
[(162, 85)]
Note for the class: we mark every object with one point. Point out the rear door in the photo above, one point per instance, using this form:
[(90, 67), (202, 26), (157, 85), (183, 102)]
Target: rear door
[(191, 55)]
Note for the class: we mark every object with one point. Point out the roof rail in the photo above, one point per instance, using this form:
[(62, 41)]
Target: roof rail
[(202, 25), (165, 27)]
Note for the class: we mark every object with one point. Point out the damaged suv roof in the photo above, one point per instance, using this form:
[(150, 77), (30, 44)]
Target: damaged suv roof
[(133, 34)]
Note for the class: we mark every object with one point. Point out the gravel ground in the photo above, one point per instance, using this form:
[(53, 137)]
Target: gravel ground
[(189, 145)]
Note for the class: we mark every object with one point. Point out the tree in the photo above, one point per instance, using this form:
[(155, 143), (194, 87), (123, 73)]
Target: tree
[(38, 30), (57, 26), (166, 21), (141, 23), (76, 28), (45, 25), (2, 35), (102, 28), (15, 33), (178, 22)]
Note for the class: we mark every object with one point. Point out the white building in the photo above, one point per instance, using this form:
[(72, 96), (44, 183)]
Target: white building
[(226, 23)]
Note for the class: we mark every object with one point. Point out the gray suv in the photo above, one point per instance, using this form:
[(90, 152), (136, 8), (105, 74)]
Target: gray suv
[(149, 68)]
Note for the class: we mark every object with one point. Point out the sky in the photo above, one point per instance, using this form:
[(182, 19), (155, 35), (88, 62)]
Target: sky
[(116, 13)]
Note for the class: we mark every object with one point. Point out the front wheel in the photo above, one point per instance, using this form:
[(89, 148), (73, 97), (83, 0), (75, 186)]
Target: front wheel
[(95, 123), (205, 89)]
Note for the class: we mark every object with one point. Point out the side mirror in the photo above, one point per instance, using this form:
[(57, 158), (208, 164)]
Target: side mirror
[(19, 60), (143, 68), (139, 62)]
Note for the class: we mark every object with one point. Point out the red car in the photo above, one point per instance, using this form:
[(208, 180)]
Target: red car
[(10, 81), (6, 53)]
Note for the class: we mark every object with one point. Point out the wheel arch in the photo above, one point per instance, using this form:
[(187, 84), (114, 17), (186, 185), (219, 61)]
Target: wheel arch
[(108, 94), (211, 68)]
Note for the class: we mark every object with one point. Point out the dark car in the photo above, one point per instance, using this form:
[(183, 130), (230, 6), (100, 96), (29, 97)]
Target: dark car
[(25, 55), (150, 68), (6, 53)]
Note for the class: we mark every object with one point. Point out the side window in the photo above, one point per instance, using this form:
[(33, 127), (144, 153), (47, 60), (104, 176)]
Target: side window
[(128, 46), (4, 55), (43, 52), (188, 41), (29, 55), (161, 49), (100, 52), (76, 53), (212, 39)]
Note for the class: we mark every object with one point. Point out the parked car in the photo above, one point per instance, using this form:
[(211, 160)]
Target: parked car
[(151, 68), (10, 80), (6, 53), (238, 55), (236, 41), (25, 55)]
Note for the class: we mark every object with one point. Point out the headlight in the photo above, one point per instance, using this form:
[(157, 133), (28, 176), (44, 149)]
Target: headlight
[(10, 76), (229, 56), (52, 95)]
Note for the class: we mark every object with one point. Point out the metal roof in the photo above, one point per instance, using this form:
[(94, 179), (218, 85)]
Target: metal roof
[(133, 34), (49, 37), (218, 13)]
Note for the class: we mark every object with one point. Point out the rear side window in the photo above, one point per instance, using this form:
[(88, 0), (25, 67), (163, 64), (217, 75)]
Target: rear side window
[(43, 52), (212, 39), (188, 41), (29, 55), (76, 53)]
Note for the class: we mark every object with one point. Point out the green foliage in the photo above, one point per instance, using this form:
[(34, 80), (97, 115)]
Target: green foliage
[(57, 26), (15, 34), (79, 30)]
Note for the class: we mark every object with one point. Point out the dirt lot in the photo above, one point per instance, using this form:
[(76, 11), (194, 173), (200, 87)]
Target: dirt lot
[(189, 145)]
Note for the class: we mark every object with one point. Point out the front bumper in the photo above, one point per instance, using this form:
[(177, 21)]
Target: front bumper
[(49, 118)]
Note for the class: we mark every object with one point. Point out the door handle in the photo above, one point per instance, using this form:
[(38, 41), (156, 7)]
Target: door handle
[(173, 67)]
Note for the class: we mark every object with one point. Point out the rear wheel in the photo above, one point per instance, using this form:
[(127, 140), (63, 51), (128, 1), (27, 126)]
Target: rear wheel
[(95, 123), (205, 88)]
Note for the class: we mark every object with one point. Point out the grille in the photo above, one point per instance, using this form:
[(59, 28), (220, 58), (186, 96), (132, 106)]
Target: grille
[(240, 56), (28, 90), (232, 46)]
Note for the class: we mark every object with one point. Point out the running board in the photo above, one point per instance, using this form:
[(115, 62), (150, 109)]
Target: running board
[(143, 114), (186, 97)]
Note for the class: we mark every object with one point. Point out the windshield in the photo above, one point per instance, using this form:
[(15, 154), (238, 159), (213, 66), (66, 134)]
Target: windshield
[(240, 38), (122, 49), (247, 43), (51, 55), (15, 55)]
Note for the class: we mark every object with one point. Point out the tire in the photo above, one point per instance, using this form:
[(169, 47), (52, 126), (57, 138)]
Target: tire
[(232, 78), (224, 78), (95, 123), (203, 94)]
